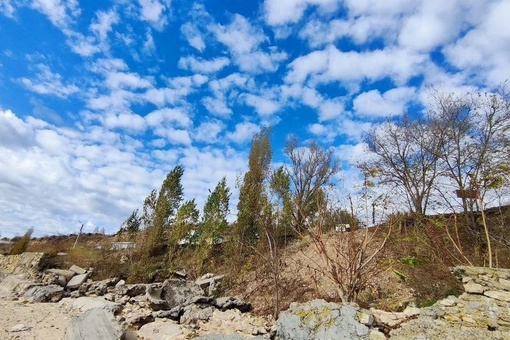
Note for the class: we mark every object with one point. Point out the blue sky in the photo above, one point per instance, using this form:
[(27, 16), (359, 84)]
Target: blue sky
[(100, 99)]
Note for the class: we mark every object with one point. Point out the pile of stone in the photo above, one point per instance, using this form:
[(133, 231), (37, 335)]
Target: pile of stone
[(482, 312), (111, 309), (182, 309)]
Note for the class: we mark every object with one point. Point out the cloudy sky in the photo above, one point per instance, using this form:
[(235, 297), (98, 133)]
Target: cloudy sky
[(100, 99)]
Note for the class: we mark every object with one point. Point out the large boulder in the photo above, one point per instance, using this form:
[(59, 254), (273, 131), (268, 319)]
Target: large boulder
[(319, 319), (94, 324), (50, 293)]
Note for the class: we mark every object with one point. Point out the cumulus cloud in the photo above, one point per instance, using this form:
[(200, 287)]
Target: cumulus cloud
[(243, 132), (333, 65), (61, 13), (88, 174), (280, 12), (390, 103), (262, 105), (217, 106), (172, 116), (104, 24), (193, 36), (153, 11), (244, 40), (48, 83), (6, 8), (198, 65), (483, 51), (14, 132), (208, 132)]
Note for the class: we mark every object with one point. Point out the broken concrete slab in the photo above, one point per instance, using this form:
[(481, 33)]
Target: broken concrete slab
[(77, 270), (77, 281)]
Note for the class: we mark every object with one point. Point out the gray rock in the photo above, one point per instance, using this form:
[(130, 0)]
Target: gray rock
[(154, 299), (226, 303), (194, 313), (498, 295), (319, 319), (161, 329), (68, 274), (20, 328), (77, 270), (92, 325), (392, 319), (77, 281), (178, 292), (86, 303), (474, 288), (131, 290), (50, 293)]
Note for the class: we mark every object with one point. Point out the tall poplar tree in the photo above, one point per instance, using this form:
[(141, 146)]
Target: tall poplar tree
[(216, 210), (252, 189), (169, 199)]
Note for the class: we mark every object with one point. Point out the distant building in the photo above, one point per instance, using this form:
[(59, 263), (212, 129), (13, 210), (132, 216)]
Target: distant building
[(342, 228)]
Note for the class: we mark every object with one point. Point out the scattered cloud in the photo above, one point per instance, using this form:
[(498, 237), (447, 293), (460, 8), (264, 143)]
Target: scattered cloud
[(281, 12), (48, 83), (61, 13), (203, 66)]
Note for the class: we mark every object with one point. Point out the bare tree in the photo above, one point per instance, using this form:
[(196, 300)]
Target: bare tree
[(475, 142), (348, 259), (311, 169), (405, 155)]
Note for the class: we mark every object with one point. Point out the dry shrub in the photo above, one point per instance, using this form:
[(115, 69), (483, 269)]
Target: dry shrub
[(21, 245)]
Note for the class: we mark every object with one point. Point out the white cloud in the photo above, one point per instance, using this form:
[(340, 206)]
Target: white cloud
[(125, 120), (244, 40), (351, 68), (104, 24), (49, 83), (124, 80), (149, 46), (6, 8), (153, 11), (330, 109), (240, 36), (173, 116), (208, 131), (61, 13), (263, 106), (483, 51), (13, 131), (90, 174), (174, 136), (243, 132), (392, 102), (280, 12), (217, 106), (193, 36), (203, 66)]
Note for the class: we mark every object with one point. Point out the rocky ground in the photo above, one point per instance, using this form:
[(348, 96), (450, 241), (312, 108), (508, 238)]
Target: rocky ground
[(40, 303)]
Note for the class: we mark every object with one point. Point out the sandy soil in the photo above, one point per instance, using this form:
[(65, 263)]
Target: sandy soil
[(43, 320)]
